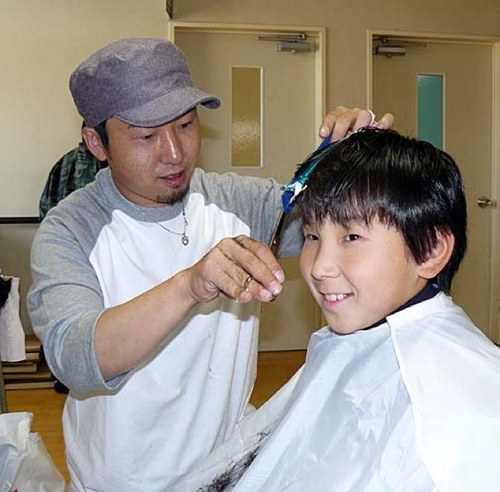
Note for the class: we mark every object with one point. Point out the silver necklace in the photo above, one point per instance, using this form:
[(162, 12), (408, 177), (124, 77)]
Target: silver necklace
[(183, 234)]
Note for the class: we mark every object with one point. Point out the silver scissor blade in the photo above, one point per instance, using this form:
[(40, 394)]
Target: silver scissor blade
[(274, 242)]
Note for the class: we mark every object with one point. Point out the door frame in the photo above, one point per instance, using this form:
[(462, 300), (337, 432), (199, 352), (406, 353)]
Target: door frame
[(258, 29), (494, 42)]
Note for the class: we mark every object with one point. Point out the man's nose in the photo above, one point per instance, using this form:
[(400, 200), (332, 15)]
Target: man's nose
[(171, 147)]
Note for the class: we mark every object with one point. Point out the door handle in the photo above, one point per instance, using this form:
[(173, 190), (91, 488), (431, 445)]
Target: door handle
[(485, 202)]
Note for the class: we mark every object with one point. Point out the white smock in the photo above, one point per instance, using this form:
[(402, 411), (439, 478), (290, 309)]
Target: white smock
[(410, 405)]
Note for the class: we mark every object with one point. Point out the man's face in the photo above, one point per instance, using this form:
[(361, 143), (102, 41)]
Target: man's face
[(153, 166), (358, 274)]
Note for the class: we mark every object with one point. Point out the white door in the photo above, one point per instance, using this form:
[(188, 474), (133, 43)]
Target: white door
[(288, 129), (467, 71)]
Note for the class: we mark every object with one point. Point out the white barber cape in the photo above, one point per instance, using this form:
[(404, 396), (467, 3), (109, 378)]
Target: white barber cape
[(410, 405)]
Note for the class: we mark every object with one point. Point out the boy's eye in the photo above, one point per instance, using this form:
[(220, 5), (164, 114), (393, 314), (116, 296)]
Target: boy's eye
[(351, 237)]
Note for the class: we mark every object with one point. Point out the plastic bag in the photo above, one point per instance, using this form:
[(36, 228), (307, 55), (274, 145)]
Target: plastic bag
[(12, 340), (25, 465)]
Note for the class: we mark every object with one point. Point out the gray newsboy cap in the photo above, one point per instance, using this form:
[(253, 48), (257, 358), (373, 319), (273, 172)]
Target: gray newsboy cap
[(143, 82)]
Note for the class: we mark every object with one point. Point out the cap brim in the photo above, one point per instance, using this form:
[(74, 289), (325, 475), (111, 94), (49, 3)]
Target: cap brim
[(168, 107)]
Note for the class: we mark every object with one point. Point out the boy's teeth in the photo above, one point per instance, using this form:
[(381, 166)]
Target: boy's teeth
[(335, 297)]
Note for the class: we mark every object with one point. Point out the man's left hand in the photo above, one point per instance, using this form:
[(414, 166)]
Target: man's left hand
[(341, 121)]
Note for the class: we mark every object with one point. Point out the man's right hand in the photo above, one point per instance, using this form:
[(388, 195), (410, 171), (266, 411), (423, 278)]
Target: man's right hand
[(239, 268)]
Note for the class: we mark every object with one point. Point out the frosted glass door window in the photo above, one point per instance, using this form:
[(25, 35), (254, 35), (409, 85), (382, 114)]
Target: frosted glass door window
[(246, 116)]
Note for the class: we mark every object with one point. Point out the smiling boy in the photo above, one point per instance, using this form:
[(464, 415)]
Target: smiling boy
[(400, 392), (379, 225)]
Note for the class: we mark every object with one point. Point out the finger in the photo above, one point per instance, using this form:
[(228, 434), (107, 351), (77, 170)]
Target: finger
[(237, 284), (217, 275), (227, 268), (338, 121), (255, 290), (246, 258), (240, 292), (364, 118), (386, 122), (258, 260), (251, 289), (343, 121)]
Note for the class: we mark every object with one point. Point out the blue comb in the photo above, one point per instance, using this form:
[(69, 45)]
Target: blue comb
[(292, 189)]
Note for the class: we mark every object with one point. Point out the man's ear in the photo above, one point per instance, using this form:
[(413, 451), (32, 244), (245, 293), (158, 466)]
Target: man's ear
[(94, 143), (439, 256)]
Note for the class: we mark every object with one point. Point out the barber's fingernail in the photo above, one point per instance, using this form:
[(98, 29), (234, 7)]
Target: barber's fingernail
[(266, 296), (245, 296), (275, 288), (324, 131), (280, 275)]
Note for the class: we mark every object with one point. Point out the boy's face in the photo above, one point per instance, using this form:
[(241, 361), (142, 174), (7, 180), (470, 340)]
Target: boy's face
[(358, 274)]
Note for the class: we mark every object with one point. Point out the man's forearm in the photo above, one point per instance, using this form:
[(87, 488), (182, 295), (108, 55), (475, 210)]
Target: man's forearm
[(129, 334)]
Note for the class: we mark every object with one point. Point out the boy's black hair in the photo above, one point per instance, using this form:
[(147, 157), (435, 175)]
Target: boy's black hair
[(406, 183)]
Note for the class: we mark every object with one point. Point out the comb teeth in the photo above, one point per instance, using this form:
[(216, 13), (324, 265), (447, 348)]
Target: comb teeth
[(293, 189)]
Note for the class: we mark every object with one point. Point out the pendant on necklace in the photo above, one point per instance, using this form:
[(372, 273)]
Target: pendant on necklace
[(184, 236)]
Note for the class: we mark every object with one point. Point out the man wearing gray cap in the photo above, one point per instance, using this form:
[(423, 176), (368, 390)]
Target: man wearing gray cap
[(142, 280)]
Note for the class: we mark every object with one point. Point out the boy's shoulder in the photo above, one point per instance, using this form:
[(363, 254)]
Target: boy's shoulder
[(435, 314), (450, 372)]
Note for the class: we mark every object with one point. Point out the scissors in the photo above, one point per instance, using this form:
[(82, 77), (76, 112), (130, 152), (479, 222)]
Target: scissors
[(297, 185)]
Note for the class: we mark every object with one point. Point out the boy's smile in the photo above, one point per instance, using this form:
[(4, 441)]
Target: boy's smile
[(358, 274)]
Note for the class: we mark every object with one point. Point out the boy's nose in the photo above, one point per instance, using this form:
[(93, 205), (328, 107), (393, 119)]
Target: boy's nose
[(325, 264)]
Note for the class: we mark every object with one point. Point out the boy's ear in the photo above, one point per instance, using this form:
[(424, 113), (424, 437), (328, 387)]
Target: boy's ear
[(439, 255), (94, 143)]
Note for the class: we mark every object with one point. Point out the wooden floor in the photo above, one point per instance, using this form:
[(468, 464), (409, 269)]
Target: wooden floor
[(274, 369)]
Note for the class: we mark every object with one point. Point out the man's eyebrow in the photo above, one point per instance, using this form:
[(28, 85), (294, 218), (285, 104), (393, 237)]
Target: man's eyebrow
[(134, 127)]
